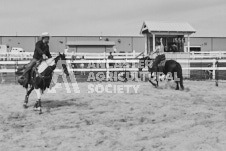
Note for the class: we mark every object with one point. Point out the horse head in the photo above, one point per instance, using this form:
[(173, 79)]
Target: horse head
[(60, 62)]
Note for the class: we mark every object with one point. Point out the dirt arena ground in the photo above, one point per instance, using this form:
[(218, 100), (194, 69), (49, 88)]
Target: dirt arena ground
[(151, 120)]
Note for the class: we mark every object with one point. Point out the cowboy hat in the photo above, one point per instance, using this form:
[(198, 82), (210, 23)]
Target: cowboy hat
[(45, 34)]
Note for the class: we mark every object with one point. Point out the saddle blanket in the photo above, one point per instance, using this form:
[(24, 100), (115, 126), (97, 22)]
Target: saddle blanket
[(44, 64)]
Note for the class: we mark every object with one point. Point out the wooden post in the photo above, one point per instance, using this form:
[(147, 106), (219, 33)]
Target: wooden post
[(220, 55), (188, 43), (193, 54), (216, 74), (153, 36), (134, 53), (105, 52), (146, 44), (16, 67), (107, 67), (214, 69), (104, 55)]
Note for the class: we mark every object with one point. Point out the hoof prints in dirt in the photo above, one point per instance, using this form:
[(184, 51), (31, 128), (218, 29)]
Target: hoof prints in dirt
[(16, 115), (58, 103)]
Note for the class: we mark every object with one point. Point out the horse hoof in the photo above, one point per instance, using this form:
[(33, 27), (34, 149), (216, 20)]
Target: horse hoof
[(25, 105), (37, 109)]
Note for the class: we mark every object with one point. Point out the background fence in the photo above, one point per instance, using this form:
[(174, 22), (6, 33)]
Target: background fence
[(195, 65), (171, 55)]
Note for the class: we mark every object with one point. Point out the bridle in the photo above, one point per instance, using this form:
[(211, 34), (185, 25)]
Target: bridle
[(60, 64)]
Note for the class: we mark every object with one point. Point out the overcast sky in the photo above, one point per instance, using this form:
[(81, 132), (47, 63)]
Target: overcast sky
[(109, 17)]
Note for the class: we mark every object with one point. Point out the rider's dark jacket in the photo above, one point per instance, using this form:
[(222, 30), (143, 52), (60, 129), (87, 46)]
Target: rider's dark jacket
[(40, 49)]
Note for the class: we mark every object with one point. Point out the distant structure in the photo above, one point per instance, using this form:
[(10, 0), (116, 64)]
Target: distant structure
[(90, 46), (173, 35)]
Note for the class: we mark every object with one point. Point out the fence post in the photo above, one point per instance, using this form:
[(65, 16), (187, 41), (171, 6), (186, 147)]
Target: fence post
[(134, 54), (107, 67), (8, 56), (220, 55), (16, 67), (104, 55), (193, 54), (216, 74), (214, 69)]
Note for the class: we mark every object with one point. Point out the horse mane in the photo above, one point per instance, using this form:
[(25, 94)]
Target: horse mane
[(57, 58), (146, 58)]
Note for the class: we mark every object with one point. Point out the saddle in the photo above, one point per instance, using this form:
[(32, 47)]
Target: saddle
[(24, 79), (161, 64)]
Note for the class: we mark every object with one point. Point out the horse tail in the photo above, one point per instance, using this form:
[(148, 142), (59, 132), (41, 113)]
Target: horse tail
[(180, 76)]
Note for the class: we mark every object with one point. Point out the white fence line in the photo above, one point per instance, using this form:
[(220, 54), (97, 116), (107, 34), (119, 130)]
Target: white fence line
[(120, 61), (213, 67), (117, 61), (192, 55), (209, 54)]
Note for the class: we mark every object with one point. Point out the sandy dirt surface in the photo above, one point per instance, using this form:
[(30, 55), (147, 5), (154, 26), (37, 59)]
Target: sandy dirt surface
[(151, 120)]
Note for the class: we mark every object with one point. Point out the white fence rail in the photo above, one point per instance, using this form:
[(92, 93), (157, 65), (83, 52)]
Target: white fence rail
[(29, 55), (208, 54), (191, 55), (184, 62)]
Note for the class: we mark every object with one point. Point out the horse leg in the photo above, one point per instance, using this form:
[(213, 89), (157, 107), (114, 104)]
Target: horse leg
[(181, 83), (177, 82), (157, 78), (27, 96), (154, 84), (26, 99), (38, 106), (167, 79), (139, 72), (180, 80), (150, 76), (177, 88)]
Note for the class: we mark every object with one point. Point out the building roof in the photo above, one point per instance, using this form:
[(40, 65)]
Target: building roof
[(151, 27), (90, 43)]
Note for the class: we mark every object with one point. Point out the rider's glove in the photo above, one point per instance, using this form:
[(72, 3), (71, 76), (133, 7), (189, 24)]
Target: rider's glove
[(44, 56)]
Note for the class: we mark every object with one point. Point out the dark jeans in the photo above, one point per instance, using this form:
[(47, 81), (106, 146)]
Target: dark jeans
[(158, 59), (29, 66)]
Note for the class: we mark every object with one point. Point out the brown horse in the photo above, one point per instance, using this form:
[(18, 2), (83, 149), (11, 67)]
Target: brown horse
[(171, 68)]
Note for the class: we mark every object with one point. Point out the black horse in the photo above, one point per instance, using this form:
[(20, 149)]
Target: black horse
[(40, 78), (171, 67)]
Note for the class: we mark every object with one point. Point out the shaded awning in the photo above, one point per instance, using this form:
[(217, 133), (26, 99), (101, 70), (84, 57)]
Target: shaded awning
[(166, 27), (90, 43)]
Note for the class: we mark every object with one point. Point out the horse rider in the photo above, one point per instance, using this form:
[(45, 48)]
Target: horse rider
[(158, 54), (41, 52)]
